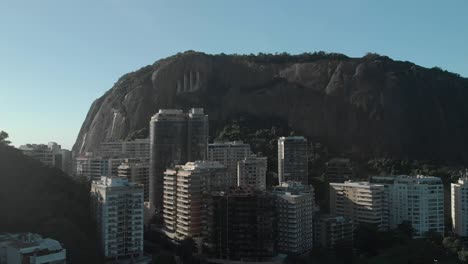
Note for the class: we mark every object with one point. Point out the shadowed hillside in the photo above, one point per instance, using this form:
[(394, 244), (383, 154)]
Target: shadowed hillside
[(42, 200)]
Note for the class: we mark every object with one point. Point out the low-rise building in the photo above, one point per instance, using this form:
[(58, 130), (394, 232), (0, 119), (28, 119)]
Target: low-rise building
[(30, 248)]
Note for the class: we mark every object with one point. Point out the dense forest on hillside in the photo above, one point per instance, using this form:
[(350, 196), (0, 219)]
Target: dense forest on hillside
[(46, 201)]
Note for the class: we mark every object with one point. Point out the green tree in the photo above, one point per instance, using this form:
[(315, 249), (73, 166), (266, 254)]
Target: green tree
[(3, 138)]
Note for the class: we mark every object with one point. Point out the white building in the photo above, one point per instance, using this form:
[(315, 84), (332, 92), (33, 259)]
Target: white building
[(30, 248), (459, 194), (251, 171), (292, 159), (361, 202), (229, 154), (186, 188), (118, 205), (418, 200), (138, 148), (295, 208), (95, 167), (51, 155)]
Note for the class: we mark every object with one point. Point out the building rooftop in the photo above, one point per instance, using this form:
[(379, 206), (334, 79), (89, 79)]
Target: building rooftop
[(200, 165), (358, 184), (114, 182), (29, 242), (301, 138)]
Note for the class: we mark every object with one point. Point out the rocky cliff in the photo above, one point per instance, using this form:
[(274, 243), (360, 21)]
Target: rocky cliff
[(371, 106)]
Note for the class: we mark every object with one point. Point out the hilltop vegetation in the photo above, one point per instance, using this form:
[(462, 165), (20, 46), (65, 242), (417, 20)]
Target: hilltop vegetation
[(46, 201)]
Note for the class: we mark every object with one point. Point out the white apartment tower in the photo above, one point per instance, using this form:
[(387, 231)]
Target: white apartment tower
[(361, 202), (292, 159), (295, 208), (229, 154), (118, 205), (186, 188), (251, 171), (459, 194), (418, 200)]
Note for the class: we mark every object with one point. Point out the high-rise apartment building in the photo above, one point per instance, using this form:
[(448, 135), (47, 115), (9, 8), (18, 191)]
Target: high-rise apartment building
[(338, 170), (138, 148), (294, 206), (459, 194), (175, 138), (241, 225), (361, 202), (186, 189), (30, 248), (418, 200), (136, 170), (229, 154), (118, 205), (251, 171), (292, 159)]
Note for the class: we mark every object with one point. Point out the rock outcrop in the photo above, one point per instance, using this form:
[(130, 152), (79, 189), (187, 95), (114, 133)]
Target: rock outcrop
[(370, 107)]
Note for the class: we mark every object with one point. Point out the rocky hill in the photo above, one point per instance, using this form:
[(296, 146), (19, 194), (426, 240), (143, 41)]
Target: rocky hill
[(369, 107)]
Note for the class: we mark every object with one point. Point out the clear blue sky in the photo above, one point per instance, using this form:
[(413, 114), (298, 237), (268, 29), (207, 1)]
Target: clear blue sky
[(57, 56)]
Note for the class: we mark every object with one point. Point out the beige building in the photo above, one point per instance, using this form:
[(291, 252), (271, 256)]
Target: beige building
[(136, 170), (186, 188), (251, 171), (229, 154), (362, 202)]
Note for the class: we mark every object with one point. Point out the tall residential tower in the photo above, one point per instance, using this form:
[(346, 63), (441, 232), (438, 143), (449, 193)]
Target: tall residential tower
[(292, 159)]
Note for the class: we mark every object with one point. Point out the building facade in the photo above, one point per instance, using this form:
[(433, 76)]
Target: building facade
[(136, 170), (138, 148), (294, 206), (229, 154), (175, 138), (51, 155), (361, 202), (118, 206), (241, 226), (252, 171), (338, 170), (336, 231), (418, 200), (186, 190), (30, 248), (292, 159), (459, 210)]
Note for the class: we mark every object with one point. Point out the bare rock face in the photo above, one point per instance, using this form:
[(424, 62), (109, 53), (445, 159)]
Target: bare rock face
[(370, 107)]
